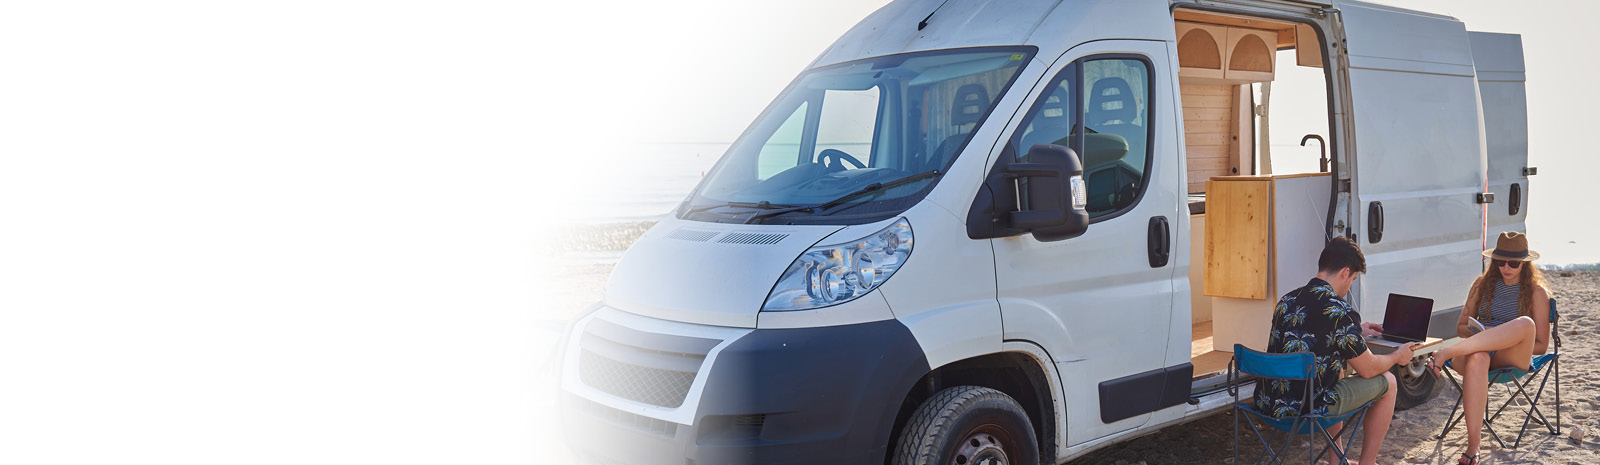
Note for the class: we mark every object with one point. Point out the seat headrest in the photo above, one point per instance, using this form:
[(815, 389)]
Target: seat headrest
[(1053, 113), (1102, 148), (1111, 102), (970, 102)]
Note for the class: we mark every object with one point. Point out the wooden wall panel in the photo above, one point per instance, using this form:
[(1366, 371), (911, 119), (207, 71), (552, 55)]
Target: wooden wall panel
[(1206, 114), (1209, 131), (1219, 164), (1238, 226), (1215, 139), (1207, 126)]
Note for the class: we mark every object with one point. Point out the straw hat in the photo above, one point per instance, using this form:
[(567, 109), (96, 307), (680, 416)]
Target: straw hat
[(1512, 246)]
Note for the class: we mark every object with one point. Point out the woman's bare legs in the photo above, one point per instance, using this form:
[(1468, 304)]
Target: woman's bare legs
[(1474, 369), (1516, 336), (1514, 343)]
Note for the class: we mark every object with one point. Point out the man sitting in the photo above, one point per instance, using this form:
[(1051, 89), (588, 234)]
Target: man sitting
[(1317, 319)]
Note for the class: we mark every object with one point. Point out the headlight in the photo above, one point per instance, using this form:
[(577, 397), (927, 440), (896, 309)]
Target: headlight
[(827, 275)]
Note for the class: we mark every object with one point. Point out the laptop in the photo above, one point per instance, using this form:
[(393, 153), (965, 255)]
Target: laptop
[(1405, 320)]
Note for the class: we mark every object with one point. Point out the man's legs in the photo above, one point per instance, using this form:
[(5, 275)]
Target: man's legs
[(1376, 423)]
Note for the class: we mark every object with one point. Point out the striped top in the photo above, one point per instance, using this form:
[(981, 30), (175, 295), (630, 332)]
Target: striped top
[(1503, 307)]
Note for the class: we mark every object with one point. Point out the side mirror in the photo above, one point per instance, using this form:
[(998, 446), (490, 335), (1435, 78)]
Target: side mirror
[(1044, 196)]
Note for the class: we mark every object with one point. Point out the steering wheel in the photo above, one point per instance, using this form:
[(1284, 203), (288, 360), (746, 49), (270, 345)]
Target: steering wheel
[(832, 159)]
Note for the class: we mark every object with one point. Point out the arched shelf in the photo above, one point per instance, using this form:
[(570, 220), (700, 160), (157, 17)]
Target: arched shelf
[(1224, 54), (1249, 57), (1200, 50)]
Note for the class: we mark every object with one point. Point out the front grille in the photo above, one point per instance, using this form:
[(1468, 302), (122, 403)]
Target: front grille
[(752, 238), (650, 368), (654, 386), (692, 235), (661, 428)]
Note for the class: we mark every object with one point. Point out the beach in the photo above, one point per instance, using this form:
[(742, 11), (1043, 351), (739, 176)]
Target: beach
[(590, 253), (1411, 435)]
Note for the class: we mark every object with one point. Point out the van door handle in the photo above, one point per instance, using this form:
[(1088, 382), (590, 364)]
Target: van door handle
[(1160, 241), (1515, 205), (1374, 222)]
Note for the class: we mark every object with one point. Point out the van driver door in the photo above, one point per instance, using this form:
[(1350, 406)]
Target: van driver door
[(1101, 303)]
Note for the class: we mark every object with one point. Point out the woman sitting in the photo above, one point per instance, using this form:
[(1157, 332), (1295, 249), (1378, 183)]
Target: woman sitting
[(1511, 302)]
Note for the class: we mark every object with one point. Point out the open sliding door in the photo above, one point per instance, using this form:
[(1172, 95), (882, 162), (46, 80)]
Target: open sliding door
[(1501, 89), (1418, 160)]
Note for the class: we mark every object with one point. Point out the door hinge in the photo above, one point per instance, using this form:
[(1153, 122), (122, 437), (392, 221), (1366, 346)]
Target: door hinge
[(1486, 197), (1530, 170)]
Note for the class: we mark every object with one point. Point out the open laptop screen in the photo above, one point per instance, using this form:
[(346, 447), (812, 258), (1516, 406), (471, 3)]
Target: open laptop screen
[(1407, 317)]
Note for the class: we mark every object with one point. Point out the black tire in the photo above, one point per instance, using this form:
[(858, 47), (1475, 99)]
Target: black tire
[(968, 425), (1416, 383)]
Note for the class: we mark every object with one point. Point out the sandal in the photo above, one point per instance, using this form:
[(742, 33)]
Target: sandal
[(1468, 459), (1433, 365)]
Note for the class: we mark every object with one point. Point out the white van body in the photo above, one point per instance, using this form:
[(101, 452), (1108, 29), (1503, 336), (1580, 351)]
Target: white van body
[(1095, 335)]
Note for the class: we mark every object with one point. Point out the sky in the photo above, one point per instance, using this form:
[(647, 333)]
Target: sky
[(305, 231)]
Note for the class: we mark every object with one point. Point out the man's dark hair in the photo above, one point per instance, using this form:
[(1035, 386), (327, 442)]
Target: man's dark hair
[(1342, 253)]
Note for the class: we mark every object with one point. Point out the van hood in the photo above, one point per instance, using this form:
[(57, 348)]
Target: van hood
[(706, 273)]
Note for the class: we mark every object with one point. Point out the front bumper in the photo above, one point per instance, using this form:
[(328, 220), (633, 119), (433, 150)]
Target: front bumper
[(781, 396)]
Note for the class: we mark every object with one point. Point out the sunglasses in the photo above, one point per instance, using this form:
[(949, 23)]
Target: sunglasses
[(1513, 265)]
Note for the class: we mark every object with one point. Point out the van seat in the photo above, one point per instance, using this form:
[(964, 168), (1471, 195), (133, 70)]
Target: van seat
[(1112, 109), (966, 109)]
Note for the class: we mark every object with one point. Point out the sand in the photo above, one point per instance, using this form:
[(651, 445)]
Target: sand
[(1411, 436)]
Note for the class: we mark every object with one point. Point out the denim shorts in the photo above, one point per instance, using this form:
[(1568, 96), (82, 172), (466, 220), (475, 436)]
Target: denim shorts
[(1355, 391)]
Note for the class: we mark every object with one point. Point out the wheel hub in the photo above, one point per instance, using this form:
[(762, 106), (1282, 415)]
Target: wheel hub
[(980, 448), (1416, 369)]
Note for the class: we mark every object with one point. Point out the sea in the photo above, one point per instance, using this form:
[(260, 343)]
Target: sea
[(650, 179)]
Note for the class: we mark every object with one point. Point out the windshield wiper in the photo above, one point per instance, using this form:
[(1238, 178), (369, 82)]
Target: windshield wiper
[(764, 205), (780, 211), (874, 187)]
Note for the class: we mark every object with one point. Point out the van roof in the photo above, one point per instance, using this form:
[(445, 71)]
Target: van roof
[(967, 23), (1051, 26)]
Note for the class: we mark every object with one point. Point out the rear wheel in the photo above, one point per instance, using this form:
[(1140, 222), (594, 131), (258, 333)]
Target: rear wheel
[(1416, 382), (968, 425)]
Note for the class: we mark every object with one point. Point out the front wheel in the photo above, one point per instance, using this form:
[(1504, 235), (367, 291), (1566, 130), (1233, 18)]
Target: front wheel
[(1416, 382), (968, 425)]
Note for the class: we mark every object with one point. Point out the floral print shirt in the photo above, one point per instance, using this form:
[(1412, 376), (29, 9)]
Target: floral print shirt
[(1313, 319)]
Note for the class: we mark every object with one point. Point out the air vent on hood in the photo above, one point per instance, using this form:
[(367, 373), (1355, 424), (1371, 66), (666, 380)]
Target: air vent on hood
[(693, 235), (752, 238)]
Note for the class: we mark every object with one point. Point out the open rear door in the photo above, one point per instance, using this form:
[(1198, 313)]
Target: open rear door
[(1418, 160), (1501, 91)]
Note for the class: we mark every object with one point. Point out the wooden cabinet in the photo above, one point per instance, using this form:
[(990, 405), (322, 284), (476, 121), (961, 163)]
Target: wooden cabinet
[(1263, 235), (1225, 55), (1251, 54), (1200, 48), (1239, 214)]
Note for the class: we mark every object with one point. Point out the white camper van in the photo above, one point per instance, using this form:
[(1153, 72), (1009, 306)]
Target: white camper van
[(1050, 219)]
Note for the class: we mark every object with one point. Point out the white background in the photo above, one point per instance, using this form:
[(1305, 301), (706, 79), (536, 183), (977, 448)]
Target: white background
[(305, 232)]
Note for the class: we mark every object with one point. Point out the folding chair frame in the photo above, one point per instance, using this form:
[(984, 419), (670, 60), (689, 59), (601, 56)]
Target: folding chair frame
[(1240, 409), (1508, 375)]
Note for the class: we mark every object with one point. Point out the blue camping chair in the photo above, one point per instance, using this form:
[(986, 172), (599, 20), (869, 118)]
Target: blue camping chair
[(1508, 378), (1291, 366)]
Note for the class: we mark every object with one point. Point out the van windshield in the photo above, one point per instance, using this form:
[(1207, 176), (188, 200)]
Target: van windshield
[(856, 142)]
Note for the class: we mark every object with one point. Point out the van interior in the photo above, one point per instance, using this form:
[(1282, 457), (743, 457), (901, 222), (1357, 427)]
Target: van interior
[(1253, 226)]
